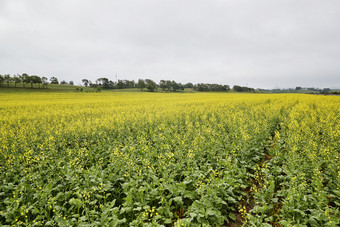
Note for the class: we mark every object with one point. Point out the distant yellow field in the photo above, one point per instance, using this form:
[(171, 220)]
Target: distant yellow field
[(154, 159)]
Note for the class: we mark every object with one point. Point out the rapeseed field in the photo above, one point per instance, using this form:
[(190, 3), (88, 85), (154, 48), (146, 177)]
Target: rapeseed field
[(166, 159)]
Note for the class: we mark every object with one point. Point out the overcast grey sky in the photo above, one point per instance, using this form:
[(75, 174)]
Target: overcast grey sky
[(256, 43)]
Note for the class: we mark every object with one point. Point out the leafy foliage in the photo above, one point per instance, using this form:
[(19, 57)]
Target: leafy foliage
[(152, 159)]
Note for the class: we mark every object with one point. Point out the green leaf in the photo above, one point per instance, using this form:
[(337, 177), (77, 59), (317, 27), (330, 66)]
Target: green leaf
[(125, 209), (313, 222), (99, 196), (93, 202), (232, 216), (337, 192), (49, 223), (167, 221), (138, 209), (76, 202), (178, 200), (35, 211), (275, 200), (189, 194), (257, 209), (211, 212)]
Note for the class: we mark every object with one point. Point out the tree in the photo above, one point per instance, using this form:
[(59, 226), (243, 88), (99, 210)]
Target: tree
[(141, 84), (212, 87), (63, 82), (150, 85), (103, 82), (2, 79), (27, 79), (298, 88), (16, 80), (120, 84), (189, 85), (92, 84), (24, 78), (163, 85), (85, 82), (201, 87), (8, 79), (326, 90), (112, 84), (35, 80), (168, 84), (226, 87), (241, 89), (180, 86), (44, 81), (71, 83), (54, 80), (176, 86), (129, 83)]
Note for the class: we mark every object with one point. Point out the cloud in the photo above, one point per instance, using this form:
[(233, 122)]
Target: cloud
[(260, 43)]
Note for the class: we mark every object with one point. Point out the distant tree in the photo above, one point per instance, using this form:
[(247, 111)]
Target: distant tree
[(25, 79), (71, 83), (242, 89), (298, 88), (63, 82), (2, 79), (174, 85), (226, 87), (180, 87), (54, 80), (163, 85), (16, 80), (94, 85), (211, 87), (201, 87), (188, 85), (168, 85), (8, 79), (103, 82), (120, 84), (150, 85), (132, 84), (326, 90), (35, 80), (141, 84), (29, 80), (44, 81), (85, 82), (129, 83), (112, 84)]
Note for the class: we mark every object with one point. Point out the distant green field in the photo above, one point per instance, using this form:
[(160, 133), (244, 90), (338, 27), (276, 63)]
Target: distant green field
[(39, 88), (124, 90)]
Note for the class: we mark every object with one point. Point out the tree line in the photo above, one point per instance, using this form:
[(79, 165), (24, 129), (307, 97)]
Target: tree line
[(164, 85), (26, 80), (242, 89)]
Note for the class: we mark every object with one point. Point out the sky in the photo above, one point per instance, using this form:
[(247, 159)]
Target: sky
[(260, 44)]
